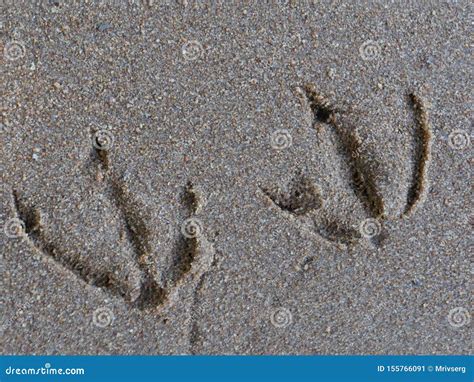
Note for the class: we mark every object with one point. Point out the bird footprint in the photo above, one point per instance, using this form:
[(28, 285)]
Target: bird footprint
[(124, 266), (303, 198)]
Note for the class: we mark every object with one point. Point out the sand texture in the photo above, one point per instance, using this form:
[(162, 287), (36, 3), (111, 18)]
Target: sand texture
[(236, 177)]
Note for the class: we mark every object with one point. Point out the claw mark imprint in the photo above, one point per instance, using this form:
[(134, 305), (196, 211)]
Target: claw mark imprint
[(192, 199), (336, 232), (321, 108), (362, 178), (419, 186), (34, 231), (150, 294), (137, 232), (186, 248)]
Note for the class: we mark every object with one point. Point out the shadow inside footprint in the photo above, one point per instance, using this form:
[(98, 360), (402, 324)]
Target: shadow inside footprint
[(300, 197)]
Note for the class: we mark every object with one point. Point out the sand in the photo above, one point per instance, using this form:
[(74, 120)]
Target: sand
[(221, 178)]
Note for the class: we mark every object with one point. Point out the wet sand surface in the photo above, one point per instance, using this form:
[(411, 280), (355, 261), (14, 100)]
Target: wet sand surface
[(183, 177)]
